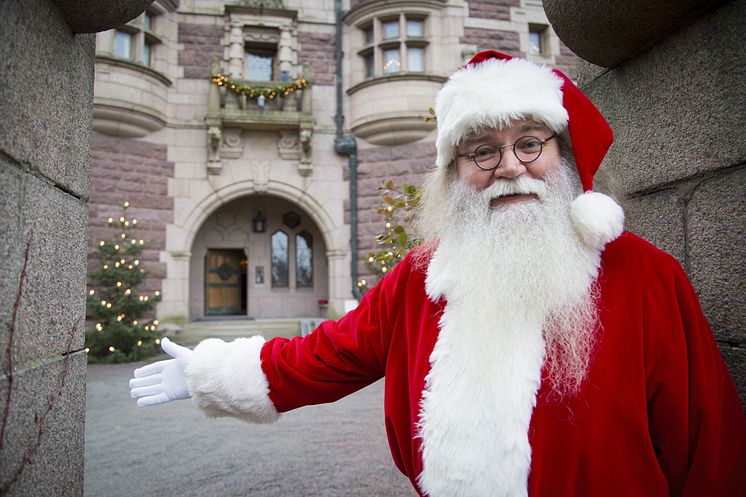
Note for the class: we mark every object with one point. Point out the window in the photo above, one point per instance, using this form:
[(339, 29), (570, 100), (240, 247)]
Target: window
[(390, 29), (136, 41), (368, 34), (391, 60), (393, 45), (415, 59), (369, 64), (260, 64), (123, 45), (304, 259), (147, 53), (536, 37), (415, 28), (279, 259)]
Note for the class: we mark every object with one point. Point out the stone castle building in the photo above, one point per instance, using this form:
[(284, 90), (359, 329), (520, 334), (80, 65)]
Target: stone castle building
[(242, 199)]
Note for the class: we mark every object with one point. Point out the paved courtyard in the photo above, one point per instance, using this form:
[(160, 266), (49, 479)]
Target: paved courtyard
[(334, 450)]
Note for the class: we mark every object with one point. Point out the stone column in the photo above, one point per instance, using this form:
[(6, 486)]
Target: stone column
[(671, 81), (340, 287), (236, 51), (45, 140)]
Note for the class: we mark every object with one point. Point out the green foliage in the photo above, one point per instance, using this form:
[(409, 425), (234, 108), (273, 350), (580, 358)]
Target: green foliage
[(398, 236), (115, 307)]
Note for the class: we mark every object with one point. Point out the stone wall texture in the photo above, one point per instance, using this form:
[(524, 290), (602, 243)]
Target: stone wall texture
[(679, 159), (201, 42), (44, 184), (492, 9), (317, 50), (131, 170), (400, 164), (489, 39)]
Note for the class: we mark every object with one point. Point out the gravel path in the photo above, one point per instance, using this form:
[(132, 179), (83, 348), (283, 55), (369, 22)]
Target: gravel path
[(333, 450)]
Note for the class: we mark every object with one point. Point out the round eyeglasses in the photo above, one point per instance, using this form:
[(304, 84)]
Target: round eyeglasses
[(527, 149)]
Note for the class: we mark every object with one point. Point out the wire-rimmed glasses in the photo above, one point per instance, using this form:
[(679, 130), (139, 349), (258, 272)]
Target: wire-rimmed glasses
[(526, 149)]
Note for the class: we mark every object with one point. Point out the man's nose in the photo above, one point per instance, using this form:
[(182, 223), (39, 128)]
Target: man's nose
[(510, 167)]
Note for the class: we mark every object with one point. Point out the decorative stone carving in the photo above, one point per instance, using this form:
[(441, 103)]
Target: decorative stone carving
[(254, 34), (305, 166), (260, 169), (287, 145), (232, 144), (263, 4), (214, 165)]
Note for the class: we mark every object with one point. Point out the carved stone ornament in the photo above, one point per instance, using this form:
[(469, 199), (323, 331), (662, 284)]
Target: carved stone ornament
[(287, 145), (263, 4), (232, 144), (261, 35), (214, 164), (260, 170), (291, 219)]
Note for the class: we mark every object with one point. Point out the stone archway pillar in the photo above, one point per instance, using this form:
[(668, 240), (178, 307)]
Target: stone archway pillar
[(339, 279), (175, 300)]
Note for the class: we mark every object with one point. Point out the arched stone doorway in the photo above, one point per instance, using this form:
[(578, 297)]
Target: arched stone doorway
[(278, 273)]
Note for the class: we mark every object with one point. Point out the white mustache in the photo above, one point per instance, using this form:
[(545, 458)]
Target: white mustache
[(519, 186)]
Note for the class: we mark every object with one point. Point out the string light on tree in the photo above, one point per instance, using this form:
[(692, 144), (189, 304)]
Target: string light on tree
[(119, 312)]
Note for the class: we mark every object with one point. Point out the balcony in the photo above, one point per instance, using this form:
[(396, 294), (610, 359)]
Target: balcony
[(284, 106)]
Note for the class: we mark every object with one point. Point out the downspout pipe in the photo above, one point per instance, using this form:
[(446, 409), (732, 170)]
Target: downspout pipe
[(346, 145)]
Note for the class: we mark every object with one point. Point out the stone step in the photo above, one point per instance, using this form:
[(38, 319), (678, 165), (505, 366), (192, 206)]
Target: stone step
[(228, 330)]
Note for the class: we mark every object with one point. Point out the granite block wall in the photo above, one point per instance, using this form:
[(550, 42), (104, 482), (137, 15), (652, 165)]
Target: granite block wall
[(679, 159), (45, 106), (46, 103)]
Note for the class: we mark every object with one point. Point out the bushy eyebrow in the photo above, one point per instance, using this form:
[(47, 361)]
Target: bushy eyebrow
[(478, 135)]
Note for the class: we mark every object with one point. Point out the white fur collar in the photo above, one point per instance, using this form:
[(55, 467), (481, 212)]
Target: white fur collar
[(478, 399)]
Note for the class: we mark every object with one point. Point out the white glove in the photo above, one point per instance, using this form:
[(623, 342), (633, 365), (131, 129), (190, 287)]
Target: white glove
[(162, 381)]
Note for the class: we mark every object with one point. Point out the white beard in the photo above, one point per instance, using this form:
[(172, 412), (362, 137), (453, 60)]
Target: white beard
[(519, 289)]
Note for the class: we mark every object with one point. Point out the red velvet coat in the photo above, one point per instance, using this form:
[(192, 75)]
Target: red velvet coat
[(658, 414)]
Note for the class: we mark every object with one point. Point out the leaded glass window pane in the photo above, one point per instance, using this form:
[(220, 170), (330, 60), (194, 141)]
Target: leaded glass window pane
[(390, 29), (391, 61), (279, 259), (416, 59), (260, 66), (415, 28), (123, 46), (304, 259), (534, 43), (147, 54)]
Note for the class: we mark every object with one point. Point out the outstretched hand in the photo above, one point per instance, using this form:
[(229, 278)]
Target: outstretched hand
[(162, 381)]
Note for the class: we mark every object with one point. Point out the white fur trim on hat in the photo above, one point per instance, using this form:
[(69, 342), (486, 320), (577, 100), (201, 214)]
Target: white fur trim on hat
[(226, 379), (597, 218), (492, 94)]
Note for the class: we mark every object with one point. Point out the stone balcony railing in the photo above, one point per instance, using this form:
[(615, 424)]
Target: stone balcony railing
[(290, 113)]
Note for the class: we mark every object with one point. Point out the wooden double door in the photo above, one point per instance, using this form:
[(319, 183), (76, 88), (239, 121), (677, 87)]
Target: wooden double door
[(226, 289)]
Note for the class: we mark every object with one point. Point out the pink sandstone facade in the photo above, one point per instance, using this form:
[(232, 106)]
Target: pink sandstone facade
[(200, 165)]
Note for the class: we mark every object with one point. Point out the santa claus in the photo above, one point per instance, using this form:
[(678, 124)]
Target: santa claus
[(530, 346)]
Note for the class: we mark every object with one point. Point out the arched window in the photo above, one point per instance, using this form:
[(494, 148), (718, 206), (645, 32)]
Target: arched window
[(279, 259), (303, 259)]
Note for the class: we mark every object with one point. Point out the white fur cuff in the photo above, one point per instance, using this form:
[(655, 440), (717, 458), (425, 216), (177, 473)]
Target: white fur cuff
[(226, 379), (597, 218)]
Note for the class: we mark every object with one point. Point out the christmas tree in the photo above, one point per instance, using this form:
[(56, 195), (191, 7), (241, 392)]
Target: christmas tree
[(118, 332)]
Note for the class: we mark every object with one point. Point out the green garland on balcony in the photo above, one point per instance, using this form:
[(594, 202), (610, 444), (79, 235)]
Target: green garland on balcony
[(268, 91)]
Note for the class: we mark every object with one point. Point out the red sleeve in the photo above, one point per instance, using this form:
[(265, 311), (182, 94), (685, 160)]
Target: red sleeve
[(340, 357), (695, 417)]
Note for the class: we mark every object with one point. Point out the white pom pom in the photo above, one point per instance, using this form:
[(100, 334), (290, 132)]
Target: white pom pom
[(597, 218)]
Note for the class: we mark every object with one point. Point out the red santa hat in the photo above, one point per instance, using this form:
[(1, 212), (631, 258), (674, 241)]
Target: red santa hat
[(493, 89)]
